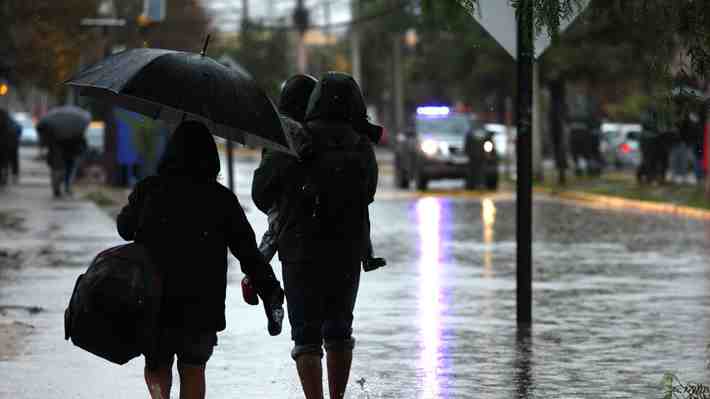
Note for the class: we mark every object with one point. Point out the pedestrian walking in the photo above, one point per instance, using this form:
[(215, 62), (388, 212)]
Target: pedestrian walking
[(10, 132), (293, 103), (63, 131), (188, 221), (292, 106), (322, 203)]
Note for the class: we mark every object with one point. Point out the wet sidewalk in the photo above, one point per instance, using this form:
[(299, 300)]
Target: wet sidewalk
[(44, 245), (620, 298)]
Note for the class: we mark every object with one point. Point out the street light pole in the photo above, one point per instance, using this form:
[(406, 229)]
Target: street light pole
[(525, 57), (229, 147), (301, 21), (355, 42)]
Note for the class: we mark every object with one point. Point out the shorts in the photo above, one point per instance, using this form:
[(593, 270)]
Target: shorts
[(321, 300), (191, 348)]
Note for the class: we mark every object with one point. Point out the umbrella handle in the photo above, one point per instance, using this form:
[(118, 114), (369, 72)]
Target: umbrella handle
[(204, 48)]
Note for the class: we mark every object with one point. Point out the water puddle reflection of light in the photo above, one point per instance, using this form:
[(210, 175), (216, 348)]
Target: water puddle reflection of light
[(429, 219), (488, 215)]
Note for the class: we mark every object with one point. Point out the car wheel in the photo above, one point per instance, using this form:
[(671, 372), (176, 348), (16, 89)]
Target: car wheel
[(422, 182), (401, 180), (469, 182), (492, 181), (472, 178)]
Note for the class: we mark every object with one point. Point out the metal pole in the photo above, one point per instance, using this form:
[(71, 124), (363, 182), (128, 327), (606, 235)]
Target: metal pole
[(538, 171), (398, 80), (230, 165), (301, 22), (524, 162), (355, 42), (510, 142), (229, 148)]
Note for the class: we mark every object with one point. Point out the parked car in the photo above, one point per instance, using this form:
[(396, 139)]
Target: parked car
[(92, 168), (620, 144), (443, 144), (503, 137), (95, 137), (29, 135)]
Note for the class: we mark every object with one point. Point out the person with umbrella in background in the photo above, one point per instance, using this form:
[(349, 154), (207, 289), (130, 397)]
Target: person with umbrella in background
[(193, 219), (62, 130), (10, 132)]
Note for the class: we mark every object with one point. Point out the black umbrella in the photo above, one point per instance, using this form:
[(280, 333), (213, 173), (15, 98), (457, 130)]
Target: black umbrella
[(65, 122), (175, 86)]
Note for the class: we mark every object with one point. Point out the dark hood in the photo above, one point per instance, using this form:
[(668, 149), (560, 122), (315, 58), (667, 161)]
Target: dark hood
[(337, 97), (294, 96), (191, 152)]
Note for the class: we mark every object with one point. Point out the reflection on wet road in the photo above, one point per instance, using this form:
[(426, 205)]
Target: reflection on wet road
[(620, 298), (431, 297)]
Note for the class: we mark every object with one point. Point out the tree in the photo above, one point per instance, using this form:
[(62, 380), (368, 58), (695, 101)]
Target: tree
[(41, 41), (264, 52), (628, 52), (446, 59)]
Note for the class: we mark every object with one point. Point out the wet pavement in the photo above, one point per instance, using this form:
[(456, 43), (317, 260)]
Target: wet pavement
[(620, 298)]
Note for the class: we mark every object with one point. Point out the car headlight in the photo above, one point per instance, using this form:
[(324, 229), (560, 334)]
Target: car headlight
[(429, 147), (487, 146)]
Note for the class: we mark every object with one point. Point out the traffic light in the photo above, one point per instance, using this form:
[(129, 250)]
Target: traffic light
[(4, 88)]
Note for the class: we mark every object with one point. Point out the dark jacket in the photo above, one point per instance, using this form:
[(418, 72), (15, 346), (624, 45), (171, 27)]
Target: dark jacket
[(188, 225), (278, 179)]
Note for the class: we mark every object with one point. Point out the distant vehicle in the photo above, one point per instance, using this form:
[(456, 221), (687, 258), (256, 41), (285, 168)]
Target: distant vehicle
[(91, 167), (503, 138), (620, 144), (29, 135), (95, 137), (444, 144)]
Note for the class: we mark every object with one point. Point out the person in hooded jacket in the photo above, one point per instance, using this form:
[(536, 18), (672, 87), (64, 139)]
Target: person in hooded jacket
[(293, 103), (321, 270), (188, 221), (292, 106)]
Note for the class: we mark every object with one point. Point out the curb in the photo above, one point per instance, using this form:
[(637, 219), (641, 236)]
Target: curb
[(643, 206)]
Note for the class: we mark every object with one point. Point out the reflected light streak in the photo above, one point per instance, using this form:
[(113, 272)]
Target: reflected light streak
[(488, 214), (430, 307)]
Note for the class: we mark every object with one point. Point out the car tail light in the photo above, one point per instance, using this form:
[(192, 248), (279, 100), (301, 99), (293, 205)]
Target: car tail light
[(625, 148)]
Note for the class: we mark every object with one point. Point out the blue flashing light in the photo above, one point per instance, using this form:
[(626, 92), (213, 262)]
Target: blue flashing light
[(433, 111)]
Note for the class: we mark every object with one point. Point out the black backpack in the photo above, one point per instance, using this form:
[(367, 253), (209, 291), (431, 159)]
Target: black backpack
[(114, 307), (335, 191)]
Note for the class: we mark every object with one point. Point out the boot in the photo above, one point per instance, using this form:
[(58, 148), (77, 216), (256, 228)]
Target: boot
[(273, 307), (310, 372), (338, 372)]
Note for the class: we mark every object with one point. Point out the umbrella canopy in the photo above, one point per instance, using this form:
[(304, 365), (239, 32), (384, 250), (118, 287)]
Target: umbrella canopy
[(175, 86), (65, 122)]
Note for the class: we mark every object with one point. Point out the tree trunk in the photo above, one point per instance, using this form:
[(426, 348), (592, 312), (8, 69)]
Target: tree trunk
[(556, 117)]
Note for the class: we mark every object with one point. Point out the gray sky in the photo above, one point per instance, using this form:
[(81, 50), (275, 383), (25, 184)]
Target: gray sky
[(227, 13)]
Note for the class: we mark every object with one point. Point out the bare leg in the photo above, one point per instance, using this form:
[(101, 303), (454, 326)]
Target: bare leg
[(310, 372), (338, 372), (159, 381), (192, 382)]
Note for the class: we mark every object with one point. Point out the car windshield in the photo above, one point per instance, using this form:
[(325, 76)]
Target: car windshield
[(451, 125)]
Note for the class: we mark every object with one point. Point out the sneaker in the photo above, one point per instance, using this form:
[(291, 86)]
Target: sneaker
[(274, 309), (249, 292)]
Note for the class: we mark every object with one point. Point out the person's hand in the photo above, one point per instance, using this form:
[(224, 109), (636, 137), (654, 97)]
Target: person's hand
[(249, 292)]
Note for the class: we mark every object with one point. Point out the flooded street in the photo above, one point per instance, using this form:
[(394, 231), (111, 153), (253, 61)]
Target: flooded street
[(620, 298)]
